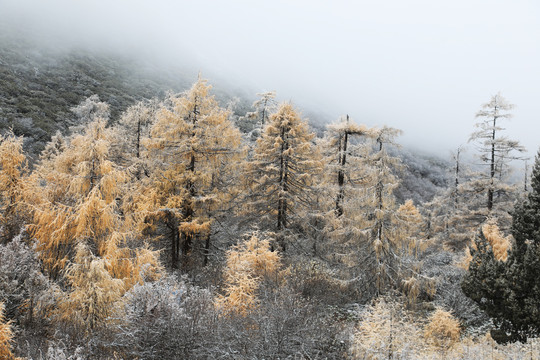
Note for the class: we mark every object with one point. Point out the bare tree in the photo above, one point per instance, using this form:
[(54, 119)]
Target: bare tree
[(496, 151)]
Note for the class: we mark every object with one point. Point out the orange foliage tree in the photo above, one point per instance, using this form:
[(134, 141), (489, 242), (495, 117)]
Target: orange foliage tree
[(282, 170), (79, 224), (443, 330), (193, 147), (12, 186), (248, 263), (6, 336)]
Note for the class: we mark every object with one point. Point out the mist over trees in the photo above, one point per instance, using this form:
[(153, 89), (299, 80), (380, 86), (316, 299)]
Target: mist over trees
[(188, 226)]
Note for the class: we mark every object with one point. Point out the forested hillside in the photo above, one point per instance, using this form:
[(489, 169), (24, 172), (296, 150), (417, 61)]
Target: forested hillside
[(39, 83), (143, 216)]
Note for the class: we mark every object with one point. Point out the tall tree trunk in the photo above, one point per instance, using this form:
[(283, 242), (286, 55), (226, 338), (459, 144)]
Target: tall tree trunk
[(172, 224), (492, 168), (283, 178), (206, 249), (283, 183), (138, 144), (458, 152), (188, 210), (264, 112), (342, 160)]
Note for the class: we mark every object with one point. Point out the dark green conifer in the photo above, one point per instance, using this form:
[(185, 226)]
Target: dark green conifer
[(509, 292)]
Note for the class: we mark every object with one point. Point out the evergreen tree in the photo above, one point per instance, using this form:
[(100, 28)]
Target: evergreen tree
[(523, 265), (509, 291), (484, 283)]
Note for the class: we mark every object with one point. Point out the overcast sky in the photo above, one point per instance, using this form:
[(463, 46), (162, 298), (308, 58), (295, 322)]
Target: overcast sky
[(424, 66)]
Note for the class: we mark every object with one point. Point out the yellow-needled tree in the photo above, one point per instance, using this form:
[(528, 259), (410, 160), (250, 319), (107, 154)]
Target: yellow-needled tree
[(80, 228), (195, 149), (345, 148), (133, 131), (248, 264), (344, 161), (282, 171), (12, 186), (392, 233), (6, 336)]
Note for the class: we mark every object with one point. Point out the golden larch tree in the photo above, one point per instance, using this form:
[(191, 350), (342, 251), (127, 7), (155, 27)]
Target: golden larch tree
[(133, 131), (496, 151), (12, 186), (282, 170), (380, 202), (95, 292), (386, 331), (391, 231), (410, 229), (264, 106), (79, 225), (500, 244), (248, 263), (443, 330), (195, 148), (344, 165), (341, 195), (6, 336)]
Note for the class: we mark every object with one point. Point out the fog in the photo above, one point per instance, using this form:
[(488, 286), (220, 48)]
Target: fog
[(422, 66)]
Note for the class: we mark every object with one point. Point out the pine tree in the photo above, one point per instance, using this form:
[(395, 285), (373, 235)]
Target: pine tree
[(194, 147), (509, 291), (282, 169), (485, 281), (523, 265)]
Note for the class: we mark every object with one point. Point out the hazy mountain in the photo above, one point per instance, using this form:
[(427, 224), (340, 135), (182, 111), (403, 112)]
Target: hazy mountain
[(39, 84)]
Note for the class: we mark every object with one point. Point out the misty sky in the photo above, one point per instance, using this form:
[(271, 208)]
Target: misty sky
[(424, 66)]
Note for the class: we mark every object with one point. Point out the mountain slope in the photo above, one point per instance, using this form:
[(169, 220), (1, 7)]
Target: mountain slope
[(38, 86)]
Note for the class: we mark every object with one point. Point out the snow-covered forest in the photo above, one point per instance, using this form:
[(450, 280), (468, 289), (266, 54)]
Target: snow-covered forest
[(147, 214)]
